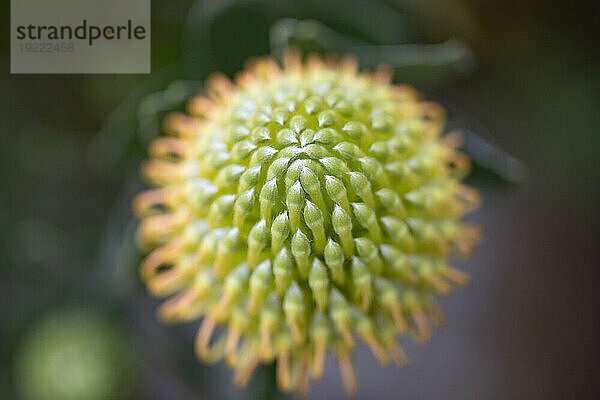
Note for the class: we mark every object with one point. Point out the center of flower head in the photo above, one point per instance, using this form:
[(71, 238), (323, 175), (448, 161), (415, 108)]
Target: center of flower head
[(304, 206)]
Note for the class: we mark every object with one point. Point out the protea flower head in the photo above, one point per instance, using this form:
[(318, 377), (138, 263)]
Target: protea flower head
[(302, 208)]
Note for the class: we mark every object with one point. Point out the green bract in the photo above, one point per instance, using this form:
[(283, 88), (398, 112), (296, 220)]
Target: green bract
[(303, 208)]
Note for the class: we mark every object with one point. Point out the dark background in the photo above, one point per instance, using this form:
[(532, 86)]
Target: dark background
[(527, 329)]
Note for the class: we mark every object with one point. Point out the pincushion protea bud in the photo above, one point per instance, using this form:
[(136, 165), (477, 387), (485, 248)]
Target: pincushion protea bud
[(303, 208)]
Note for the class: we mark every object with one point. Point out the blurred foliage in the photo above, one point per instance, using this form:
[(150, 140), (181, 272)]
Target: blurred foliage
[(70, 145), (73, 354)]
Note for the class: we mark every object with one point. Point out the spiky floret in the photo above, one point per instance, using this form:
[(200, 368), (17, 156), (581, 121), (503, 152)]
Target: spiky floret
[(301, 208)]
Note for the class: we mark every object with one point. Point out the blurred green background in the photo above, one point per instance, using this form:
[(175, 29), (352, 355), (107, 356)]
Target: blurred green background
[(520, 77)]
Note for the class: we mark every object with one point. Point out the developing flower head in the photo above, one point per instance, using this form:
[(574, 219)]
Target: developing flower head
[(302, 209)]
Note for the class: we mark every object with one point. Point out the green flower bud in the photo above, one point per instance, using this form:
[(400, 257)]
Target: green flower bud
[(337, 192), (229, 175), (327, 136), (268, 198), (295, 204), (361, 279), (319, 284), (342, 225), (295, 312), (249, 179), (286, 137), (280, 230), (303, 209), (356, 130), (298, 123), (283, 269), (243, 207), (260, 134), (362, 187), (257, 242), (301, 252), (277, 168), (262, 155), (225, 251), (313, 105), (368, 252), (348, 151), (312, 186), (242, 150), (368, 219), (313, 217), (260, 285), (327, 118), (334, 258), (335, 166)]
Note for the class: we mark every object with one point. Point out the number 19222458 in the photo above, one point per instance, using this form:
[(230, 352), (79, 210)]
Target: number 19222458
[(47, 47)]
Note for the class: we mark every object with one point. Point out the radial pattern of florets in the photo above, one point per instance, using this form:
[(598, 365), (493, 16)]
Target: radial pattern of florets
[(300, 209)]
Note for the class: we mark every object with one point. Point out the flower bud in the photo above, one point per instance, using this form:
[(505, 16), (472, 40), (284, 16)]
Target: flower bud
[(302, 209)]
